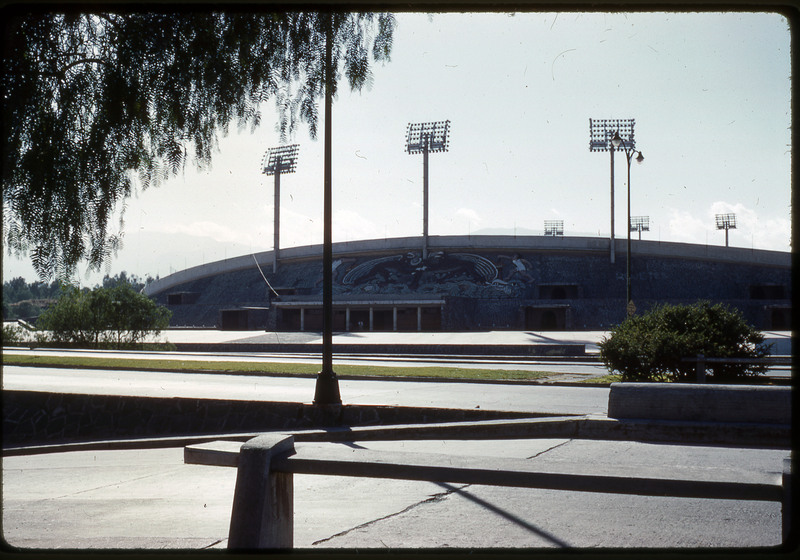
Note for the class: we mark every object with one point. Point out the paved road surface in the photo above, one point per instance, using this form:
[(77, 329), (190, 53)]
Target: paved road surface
[(505, 397)]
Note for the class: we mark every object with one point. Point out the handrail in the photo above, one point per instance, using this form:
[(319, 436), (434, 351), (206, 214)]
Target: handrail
[(261, 516), (702, 360)]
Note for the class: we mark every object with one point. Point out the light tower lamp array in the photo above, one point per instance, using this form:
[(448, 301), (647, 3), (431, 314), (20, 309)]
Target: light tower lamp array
[(726, 222), (277, 161), (601, 134), (425, 138), (554, 228), (640, 224)]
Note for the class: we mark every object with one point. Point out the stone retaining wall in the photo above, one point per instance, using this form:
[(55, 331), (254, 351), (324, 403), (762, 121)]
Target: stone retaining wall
[(36, 418)]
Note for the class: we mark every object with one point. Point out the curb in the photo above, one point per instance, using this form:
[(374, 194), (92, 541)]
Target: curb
[(590, 427)]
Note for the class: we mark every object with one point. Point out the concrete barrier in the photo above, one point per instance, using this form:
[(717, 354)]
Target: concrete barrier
[(701, 403)]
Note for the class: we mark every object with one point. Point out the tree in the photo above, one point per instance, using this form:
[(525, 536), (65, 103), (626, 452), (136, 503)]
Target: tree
[(118, 316), (651, 346), (97, 103)]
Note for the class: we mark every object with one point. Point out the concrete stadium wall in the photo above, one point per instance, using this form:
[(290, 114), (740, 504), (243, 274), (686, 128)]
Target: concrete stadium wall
[(565, 282)]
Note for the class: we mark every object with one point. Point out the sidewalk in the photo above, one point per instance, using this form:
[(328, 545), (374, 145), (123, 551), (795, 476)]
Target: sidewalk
[(150, 499)]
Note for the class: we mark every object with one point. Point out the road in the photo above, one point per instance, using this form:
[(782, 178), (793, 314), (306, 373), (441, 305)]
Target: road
[(437, 394), (573, 366), (577, 366)]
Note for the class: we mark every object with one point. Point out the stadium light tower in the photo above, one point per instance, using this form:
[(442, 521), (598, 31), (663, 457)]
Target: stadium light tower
[(425, 138), (726, 222), (640, 224), (554, 228), (276, 161), (601, 131), (618, 142)]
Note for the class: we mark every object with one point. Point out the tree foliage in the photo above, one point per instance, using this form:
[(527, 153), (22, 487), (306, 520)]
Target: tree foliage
[(651, 346), (98, 103), (119, 317)]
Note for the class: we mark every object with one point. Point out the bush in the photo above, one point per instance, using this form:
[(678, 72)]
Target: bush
[(651, 346), (115, 317), (12, 335)]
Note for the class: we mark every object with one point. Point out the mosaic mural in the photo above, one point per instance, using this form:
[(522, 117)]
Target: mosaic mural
[(454, 273)]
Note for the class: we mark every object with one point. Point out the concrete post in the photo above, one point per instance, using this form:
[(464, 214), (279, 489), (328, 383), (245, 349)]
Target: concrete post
[(786, 503), (262, 515), (701, 368), (394, 318)]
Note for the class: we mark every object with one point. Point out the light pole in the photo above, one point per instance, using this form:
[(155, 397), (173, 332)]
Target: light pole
[(326, 392), (640, 224), (282, 159), (601, 132), (425, 138), (554, 228), (726, 222), (617, 141)]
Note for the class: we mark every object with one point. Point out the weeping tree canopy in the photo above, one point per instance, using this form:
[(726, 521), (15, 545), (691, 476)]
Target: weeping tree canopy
[(97, 103)]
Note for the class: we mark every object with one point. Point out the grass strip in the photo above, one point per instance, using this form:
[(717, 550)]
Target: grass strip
[(271, 368)]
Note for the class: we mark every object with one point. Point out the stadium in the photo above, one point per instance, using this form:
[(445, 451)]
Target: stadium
[(475, 283)]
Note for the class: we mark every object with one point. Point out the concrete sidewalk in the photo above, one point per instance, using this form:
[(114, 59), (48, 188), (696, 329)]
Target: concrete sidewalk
[(134, 499)]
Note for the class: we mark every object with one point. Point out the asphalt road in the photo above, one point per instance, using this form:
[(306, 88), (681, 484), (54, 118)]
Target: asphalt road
[(438, 394)]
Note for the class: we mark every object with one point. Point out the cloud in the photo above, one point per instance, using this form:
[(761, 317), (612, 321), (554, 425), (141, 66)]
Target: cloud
[(683, 226), (349, 225), (772, 234), (469, 214), (212, 230)]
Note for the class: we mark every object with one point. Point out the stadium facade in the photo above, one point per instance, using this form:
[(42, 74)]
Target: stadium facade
[(476, 283)]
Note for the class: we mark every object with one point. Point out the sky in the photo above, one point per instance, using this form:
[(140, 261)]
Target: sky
[(710, 93)]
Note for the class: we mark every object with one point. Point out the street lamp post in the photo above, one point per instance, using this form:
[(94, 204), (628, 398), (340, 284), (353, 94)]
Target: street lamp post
[(617, 141), (326, 392)]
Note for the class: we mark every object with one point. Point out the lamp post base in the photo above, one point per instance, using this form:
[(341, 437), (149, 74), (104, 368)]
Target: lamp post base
[(327, 389)]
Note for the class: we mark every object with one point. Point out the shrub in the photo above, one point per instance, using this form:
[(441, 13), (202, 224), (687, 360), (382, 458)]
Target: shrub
[(12, 335), (651, 346), (118, 317)]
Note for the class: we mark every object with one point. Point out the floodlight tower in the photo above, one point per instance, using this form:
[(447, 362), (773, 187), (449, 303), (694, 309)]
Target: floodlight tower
[(425, 138), (601, 132), (640, 224), (726, 222), (282, 159), (554, 228)]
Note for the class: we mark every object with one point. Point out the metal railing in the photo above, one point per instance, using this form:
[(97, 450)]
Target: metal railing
[(701, 360)]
